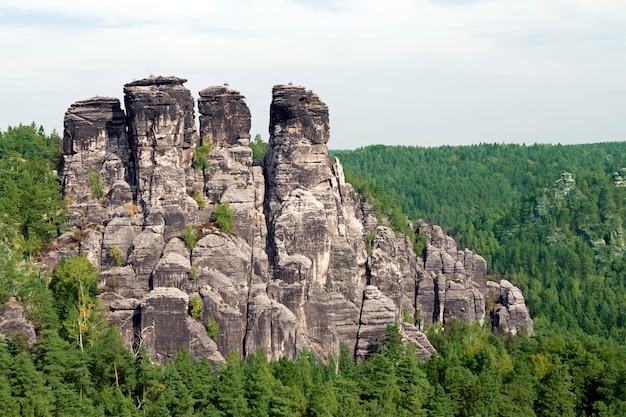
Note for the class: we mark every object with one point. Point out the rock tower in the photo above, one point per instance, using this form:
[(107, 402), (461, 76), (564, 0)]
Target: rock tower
[(292, 273)]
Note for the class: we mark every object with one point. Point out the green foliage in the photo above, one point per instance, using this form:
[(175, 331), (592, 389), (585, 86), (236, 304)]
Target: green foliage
[(259, 148), (115, 254), (200, 156), (74, 284), (407, 317), (197, 196), (552, 245), (190, 236), (195, 307), (419, 243), (30, 143), (224, 217), (213, 328), (32, 210), (474, 372), (194, 273), (564, 250), (96, 184)]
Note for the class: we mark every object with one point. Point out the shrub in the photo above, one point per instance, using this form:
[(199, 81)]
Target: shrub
[(96, 184), (224, 217), (200, 156), (194, 273), (190, 235), (406, 316), (115, 254), (199, 200), (195, 307), (213, 329), (420, 243)]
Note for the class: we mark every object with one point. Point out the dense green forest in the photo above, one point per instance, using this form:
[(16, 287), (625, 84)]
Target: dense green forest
[(78, 366), (509, 203)]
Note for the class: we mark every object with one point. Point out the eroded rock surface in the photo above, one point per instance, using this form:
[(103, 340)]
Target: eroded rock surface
[(292, 273)]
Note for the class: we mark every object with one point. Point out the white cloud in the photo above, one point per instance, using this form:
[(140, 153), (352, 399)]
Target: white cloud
[(398, 71)]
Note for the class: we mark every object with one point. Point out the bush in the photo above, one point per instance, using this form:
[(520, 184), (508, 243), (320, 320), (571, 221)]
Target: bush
[(96, 184), (190, 235), (406, 316), (369, 240), (213, 329), (194, 273), (420, 243), (199, 200), (224, 217), (200, 156), (115, 254), (195, 307), (131, 208)]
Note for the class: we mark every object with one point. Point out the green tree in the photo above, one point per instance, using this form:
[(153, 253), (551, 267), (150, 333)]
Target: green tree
[(224, 216), (33, 397), (231, 399), (75, 284), (259, 148), (201, 156)]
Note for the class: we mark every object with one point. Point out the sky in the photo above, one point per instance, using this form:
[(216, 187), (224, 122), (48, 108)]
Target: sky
[(393, 72)]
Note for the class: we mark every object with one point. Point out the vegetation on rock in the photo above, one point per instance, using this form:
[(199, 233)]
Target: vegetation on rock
[(190, 236), (96, 184), (201, 155), (224, 217), (195, 307), (259, 148)]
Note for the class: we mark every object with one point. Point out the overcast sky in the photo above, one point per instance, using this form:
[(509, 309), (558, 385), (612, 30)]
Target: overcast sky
[(413, 72)]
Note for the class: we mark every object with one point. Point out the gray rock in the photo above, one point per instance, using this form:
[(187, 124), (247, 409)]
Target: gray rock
[(378, 311), (145, 252), (161, 126), (13, 323), (119, 234), (123, 281), (293, 272), (172, 270), (166, 327), (510, 313)]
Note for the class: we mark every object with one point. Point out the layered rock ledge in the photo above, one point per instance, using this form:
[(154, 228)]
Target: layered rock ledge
[(291, 272)]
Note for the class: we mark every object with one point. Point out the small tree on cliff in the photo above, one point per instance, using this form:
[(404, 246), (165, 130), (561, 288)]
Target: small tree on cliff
[(259, 148), (224, 217)]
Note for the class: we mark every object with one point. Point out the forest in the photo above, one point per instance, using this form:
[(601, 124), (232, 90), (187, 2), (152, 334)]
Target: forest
[(512, 205), (563, 245)]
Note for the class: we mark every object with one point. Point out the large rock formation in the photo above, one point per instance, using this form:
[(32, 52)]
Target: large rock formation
[(292, 272)]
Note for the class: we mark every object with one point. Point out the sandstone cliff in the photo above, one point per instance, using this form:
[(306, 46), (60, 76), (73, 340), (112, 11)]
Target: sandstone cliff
[(292, 273)]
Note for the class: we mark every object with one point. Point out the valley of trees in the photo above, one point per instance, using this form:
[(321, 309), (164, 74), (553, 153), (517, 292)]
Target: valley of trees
[(564, 248), (575, 364)]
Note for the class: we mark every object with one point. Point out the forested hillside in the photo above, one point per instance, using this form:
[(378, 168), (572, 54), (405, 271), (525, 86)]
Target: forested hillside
[(510, 203), (78, 367)]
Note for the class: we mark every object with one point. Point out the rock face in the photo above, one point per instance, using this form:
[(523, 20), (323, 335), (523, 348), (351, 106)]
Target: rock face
[(509, 313), (14, 324), (291, 273)]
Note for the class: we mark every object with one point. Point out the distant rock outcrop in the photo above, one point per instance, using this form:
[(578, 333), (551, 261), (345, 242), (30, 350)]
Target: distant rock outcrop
[(292, 273), (14, 324)]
